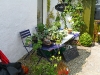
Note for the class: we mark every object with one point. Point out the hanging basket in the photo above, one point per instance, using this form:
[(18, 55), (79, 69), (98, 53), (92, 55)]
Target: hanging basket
[(60, 7)]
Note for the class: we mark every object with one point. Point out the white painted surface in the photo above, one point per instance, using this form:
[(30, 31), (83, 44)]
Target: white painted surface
[(15, 16), (44, 11), (67, 38)]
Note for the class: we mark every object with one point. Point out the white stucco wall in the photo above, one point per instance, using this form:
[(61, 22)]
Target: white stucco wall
[(15, 16)]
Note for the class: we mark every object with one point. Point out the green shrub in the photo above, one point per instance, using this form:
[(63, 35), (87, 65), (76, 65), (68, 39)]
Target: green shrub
[(85, 39)]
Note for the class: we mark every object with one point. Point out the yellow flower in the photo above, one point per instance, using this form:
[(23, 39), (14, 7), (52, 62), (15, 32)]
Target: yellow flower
[(53, 56), (59, 52), (55, 65)]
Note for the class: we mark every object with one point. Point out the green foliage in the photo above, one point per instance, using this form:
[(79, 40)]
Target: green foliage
[(66, 0), (85, 39), (49, 17), (45, 67), (57, 23), (56, 35), (78, 22), (63, 15), (40, 27), (37, 45), (48, 5), (28, 41)]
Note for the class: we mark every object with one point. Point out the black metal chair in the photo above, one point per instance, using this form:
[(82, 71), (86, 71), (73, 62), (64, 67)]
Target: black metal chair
[(24, 34)]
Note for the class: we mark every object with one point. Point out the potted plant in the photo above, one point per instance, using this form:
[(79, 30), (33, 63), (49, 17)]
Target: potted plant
[(34, 40)]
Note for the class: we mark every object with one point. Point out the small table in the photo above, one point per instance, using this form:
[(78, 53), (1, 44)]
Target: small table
[(57, 46)]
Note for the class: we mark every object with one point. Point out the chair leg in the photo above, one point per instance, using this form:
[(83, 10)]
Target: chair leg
[(26, 56), (33, 51), (39, 60), (28, 53), (27, 50)]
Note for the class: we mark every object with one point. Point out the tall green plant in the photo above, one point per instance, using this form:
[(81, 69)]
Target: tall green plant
[(77, 18), (76, 11)]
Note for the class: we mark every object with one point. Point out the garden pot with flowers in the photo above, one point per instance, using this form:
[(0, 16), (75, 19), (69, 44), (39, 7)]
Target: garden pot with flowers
[(62, 69)]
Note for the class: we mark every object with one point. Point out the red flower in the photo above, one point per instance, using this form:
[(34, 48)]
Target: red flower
[(63, 72)]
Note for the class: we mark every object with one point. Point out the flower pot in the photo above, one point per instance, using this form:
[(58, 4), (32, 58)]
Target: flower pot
[(62, 69), (25, 69), (69, 31)]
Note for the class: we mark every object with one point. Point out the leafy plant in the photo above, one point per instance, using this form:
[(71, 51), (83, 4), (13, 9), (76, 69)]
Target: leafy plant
[(34, 40), (48, 5), (77, 17), (37, 45), (85, 39), (57, 23), (63, 17), (41, 69), (48, 68), (78, 22), (28, 41), (40, 27)]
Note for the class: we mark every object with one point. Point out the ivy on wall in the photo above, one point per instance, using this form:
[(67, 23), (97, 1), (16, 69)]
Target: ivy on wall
[(48, 5), (50, 14)]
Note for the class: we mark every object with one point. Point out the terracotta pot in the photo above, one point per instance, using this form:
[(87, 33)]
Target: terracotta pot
[(69, 31), (25, 69), (62, 69)]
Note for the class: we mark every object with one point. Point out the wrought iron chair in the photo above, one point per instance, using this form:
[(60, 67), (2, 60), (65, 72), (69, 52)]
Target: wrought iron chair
[(24, 34)]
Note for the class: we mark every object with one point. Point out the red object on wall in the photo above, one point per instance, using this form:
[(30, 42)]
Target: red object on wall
[(3, 58)]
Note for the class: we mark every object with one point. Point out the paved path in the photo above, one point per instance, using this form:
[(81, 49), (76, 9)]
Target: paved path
[(92, 65)]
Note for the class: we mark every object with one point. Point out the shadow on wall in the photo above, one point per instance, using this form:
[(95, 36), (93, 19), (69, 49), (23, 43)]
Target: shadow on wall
[(75, 66)]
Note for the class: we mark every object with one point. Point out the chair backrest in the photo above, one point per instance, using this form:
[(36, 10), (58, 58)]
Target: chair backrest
[(25, 33)]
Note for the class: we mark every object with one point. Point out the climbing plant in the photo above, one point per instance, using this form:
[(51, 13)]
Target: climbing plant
[(76, 12), (50, 14)]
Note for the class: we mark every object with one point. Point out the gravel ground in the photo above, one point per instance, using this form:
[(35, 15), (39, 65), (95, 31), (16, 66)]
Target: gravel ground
[(76, 64), (87, 63)]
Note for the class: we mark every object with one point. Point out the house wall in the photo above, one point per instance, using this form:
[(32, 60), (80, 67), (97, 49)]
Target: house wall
[(15, 16)]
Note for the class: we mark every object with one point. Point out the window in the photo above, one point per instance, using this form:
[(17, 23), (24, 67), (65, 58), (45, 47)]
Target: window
[(97, 10)]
